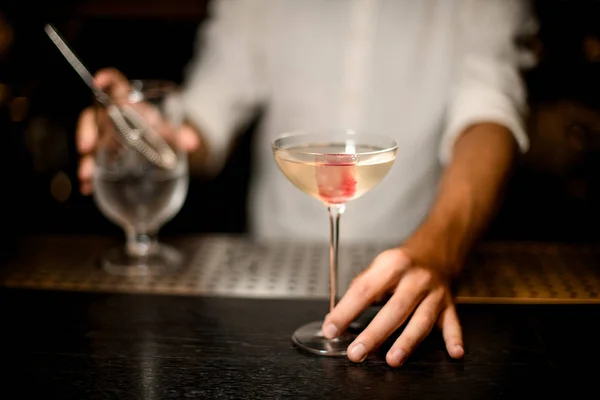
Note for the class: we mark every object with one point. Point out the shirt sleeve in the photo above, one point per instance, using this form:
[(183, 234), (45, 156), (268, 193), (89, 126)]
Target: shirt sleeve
[(488, 84), (224, 83)]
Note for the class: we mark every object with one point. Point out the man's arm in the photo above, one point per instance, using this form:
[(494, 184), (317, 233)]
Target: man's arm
[(468, 195), (483, 128)]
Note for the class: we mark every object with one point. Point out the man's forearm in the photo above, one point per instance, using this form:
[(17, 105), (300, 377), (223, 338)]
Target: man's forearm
[(468, 195)]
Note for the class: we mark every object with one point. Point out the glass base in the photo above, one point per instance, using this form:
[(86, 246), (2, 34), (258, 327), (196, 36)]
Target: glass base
[(162, 260), (310, 338)]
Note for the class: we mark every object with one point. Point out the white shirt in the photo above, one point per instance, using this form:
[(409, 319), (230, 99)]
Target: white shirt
[(418, 71)]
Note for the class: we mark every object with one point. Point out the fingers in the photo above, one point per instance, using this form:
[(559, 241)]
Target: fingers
[(86, 138), (411, 290), (108, 79), (86, 174), (452, 332), (113, 82), (384, 272), (418, 328), (87, 131)]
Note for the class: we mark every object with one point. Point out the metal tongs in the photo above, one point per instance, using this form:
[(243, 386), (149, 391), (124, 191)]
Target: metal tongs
[(133, 129)]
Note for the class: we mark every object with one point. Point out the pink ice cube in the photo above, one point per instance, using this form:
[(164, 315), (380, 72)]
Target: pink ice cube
[(336, 177)]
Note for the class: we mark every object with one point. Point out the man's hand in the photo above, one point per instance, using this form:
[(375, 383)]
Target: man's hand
[(117, 86), (417, 289), (419, 273)]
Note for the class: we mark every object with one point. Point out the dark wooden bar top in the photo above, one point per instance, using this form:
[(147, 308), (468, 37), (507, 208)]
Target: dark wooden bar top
[(109, 344), (62, 345)]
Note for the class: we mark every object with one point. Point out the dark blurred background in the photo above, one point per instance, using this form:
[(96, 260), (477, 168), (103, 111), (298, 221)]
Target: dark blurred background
[(552, 196)]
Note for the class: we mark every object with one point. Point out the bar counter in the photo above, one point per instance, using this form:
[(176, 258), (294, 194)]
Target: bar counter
[(141, 340)]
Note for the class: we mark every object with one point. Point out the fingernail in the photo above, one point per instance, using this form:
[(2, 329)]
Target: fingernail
[(458, 350), (397, 356), (358, 352), (331, 331)]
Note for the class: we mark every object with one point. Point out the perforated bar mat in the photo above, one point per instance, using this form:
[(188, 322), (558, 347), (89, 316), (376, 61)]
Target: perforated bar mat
[(234, 267)]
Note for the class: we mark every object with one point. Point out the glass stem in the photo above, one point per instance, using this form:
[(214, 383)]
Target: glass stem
[(139, 244), (335, 212)]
